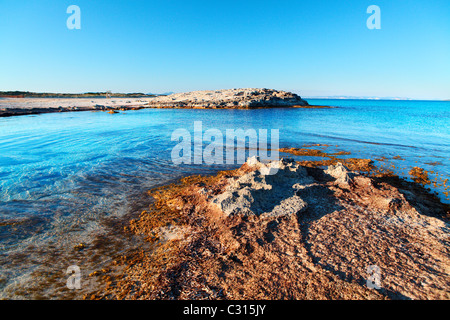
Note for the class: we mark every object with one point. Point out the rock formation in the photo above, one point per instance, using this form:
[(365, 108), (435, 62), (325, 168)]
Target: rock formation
[(290, 233), (268, 191), (230, 98)]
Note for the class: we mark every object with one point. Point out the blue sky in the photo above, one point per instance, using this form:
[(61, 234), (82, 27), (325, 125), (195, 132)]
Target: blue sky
[(314, 48)]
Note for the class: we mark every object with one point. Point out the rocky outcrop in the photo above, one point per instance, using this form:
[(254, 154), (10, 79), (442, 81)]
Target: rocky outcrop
[(340, 173), (230, 98), (282, 231), (268, 191), (221, 99)]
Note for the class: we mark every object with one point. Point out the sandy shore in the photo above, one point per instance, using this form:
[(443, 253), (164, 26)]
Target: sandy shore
[(302, 233), (24, 106)]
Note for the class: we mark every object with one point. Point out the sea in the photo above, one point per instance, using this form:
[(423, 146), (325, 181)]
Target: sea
[(73, 178)]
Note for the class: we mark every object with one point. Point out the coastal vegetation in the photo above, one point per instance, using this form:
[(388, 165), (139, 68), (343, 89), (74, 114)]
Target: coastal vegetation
[(28, 94)]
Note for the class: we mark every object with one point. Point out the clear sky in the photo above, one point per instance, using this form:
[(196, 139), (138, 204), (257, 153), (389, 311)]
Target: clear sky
[(314, 48)]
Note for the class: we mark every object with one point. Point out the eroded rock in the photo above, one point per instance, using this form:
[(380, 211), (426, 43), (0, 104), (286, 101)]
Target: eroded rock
[(322, 253), (268, 191), (340, 173), (230, 98)]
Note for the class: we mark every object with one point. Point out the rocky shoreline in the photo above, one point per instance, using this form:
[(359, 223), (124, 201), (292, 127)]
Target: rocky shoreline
[(299, 232), (29, 106), (249, 98)]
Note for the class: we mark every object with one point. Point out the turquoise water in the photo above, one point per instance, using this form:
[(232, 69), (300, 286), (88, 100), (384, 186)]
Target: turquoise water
[(61, 174)]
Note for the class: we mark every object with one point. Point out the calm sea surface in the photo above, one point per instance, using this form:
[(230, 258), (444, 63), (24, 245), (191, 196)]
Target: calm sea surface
[(63, 174)]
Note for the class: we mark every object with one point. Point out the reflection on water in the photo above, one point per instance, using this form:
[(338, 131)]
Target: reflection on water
[(69, 178)]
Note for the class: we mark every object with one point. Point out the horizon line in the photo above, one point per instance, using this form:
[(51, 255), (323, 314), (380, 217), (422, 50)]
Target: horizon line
[(333, 97)]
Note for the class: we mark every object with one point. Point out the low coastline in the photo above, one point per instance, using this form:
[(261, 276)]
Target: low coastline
[(31, 106), (316, 243), (220, 99)]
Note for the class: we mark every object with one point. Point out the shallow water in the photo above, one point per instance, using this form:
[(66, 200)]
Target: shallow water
[(63, 174)]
